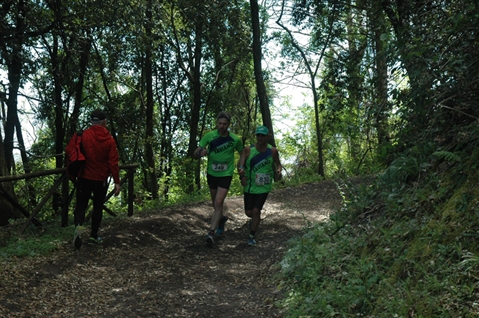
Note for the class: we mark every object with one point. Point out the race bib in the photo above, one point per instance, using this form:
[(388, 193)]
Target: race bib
[(263, 179), (217, 167)]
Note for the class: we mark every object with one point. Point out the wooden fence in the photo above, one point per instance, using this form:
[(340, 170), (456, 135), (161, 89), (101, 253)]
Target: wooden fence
[(67, 193)]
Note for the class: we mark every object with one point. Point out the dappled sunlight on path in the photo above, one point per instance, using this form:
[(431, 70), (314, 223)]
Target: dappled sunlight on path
[(156, 264)]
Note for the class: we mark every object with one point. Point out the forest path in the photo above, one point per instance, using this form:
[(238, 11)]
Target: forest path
[(157, 265)]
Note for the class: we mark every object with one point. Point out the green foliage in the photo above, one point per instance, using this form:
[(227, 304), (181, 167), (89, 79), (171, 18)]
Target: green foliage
[(405, 243), (447, 156), (327, 280), (404, 246), (301, 177), (31, 246), (34, 242)]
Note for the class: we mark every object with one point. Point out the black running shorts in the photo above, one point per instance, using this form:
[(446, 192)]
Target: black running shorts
[(218, 182), (254, 200)]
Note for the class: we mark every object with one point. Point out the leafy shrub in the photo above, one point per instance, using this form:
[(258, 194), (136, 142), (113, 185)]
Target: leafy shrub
[(404, 246)]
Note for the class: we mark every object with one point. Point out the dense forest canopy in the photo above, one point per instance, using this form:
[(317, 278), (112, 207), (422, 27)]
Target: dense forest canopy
[(382, 76)]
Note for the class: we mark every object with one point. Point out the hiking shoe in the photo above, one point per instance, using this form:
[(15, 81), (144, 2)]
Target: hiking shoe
[(210, 240), (251, 240), (77, 236), (95, 241), (221, 225)]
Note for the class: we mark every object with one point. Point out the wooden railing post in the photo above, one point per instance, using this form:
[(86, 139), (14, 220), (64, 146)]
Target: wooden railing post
[(43, 201), (66, 201), (131, 189)]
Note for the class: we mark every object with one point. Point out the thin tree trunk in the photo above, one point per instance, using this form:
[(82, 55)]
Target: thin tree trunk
[(25, 161), (382, 77), (195, 111), (6, 209), (84, 59), (312, 75), (14, 75), (356, 48), (258, 70), (150, 155), (399, 14), (110, 105), (58, 86), (14, 68)]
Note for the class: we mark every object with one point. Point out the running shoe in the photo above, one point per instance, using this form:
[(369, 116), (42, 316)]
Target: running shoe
[(77, 236), (95, 241), (221, 225), (251, 240), (210, 239)]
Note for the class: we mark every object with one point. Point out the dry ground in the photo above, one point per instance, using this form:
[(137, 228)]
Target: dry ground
[(157, 265)]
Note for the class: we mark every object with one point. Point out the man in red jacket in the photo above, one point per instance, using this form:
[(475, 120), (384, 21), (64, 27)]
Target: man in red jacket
[(101, 156)]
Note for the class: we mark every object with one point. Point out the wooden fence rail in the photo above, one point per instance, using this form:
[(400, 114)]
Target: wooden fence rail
[(66, 193)]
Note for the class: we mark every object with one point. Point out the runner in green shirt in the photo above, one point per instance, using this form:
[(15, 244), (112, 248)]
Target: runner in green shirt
[(258, 166), (219, 145)]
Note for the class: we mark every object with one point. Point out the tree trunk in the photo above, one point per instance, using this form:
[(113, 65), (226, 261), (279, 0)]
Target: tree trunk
[(356, 48), (400, 15), (6, 209), (57, 93), (195, 111), (26, 165), (84, 59), (166, 124), (13, 56), (14, 75), (150, 154), (258, 70), (312, 75), (382, 111), (319, 134)]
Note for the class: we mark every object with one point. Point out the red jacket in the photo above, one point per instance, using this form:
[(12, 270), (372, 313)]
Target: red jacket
[(100, 152)]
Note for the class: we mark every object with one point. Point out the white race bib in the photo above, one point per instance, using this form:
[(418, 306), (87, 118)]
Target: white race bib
[(217, 167), (263, 179)]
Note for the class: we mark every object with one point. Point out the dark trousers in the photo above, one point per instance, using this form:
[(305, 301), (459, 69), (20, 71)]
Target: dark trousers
[(85, 188)]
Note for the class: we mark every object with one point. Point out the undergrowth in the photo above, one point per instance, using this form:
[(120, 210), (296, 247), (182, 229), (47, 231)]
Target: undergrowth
[(403, 246), (33, 241)]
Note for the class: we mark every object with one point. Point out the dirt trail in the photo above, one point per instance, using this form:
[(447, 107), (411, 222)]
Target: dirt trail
[(157, 265)]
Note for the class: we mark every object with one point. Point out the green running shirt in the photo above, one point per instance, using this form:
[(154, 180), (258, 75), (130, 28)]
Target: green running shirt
[(259, 171), (221, 153)]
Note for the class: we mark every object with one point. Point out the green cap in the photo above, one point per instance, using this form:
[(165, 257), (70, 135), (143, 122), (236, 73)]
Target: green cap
[(262, 130)]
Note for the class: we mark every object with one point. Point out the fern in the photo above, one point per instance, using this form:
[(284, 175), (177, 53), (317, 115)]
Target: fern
[(401, 169), (447, 156)]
